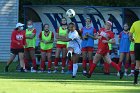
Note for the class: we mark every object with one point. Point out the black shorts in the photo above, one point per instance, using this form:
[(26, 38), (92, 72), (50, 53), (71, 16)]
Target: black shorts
[(137, 51), (16, 51)]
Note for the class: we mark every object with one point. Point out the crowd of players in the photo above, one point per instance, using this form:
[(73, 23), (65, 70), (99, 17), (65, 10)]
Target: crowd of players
[(72, 43)]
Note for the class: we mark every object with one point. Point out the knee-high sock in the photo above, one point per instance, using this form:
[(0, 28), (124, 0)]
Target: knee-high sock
[(84, 64), (115, 66), (34, 63), (56, 62), (63, 62), (132, 68), (49, 64), (126, 65), (75, 68), (90, 63), (120, 64), (92, 68), (106, 67), (70, 65), (42, 65)]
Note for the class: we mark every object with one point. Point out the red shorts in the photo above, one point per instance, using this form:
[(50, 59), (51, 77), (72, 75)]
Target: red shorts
[(132, 52), (102, 52), (61, 46), (89, 49), (28, 49), (48, 51)]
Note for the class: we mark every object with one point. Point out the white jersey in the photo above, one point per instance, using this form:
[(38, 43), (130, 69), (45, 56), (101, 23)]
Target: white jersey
[(75, 43)]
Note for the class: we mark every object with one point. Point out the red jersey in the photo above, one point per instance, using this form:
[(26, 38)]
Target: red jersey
[(105, 35), (18, 39)]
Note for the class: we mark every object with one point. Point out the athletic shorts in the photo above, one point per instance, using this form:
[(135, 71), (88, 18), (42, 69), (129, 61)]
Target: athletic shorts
[(132, 52), (137, 51), (61, 46), (102, 52), (28, 49), (16, 51), (89, 49), (125, 52), (48, 51)]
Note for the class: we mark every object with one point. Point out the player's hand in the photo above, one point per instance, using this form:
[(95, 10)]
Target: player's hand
[(99, 37), (85, 37), (105, 41)]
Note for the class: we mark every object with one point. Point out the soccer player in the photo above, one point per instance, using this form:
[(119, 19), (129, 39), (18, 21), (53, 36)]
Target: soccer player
[(74, 46), (132, 56), (60, 45), (124, 48), (46, 45), (17, 46), (29, 50), (87, 44), (135, 31), (105, 36)]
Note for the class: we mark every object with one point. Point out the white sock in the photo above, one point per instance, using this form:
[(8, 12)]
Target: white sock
[(75, 68)]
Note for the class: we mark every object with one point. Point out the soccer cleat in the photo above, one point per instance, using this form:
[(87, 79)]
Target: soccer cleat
[(33, 71), (135, 83), (62, 71), (121, 74), (22, 70), (49, 71), (6, 69), (55, 71), (84, 73)]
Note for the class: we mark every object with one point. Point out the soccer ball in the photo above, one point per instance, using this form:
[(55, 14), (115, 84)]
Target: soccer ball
[(70, 13)]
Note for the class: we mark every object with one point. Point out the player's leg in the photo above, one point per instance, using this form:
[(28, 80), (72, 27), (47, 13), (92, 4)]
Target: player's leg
[(57, 55), (96, 59), (84, 61), (75, 59), (121, 59), (122, 55), (126, 63), (43, 60), (90, 56), (26, 58), (107, 66), (21, 58), (136, 72), (64, 53), (137, 58), (32, 54), (107, 59), (132, 57), (12, 57), (49, 57)]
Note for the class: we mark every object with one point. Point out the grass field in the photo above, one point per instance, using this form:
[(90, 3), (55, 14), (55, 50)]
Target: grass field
[(15, 82)]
